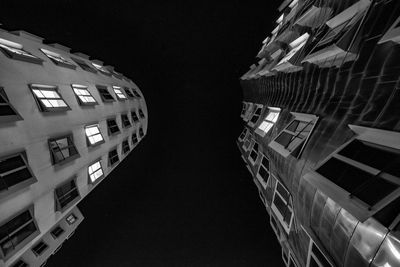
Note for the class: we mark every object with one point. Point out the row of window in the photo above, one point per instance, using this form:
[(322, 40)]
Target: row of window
[(16, 51)]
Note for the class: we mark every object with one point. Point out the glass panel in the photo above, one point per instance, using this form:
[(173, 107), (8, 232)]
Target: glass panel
[(386, 215), (17, 177), (9, 164), (284, 139), (375, 190), (321, 258)]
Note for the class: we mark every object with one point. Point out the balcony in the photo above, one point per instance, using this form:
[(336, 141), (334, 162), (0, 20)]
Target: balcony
[(289, 62)]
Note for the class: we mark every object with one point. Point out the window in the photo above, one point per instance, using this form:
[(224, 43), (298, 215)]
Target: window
[(105, 94), (288, 61), (39, 248), (293, 138), (243, 134), (7, 111), (282, 206), (95, 171), (93, 135), (71, 219), (15, 51), (17, 232), (58, 59), (15, 172), (84, 65), (256, 115), (62, 148), (263, 171), (66, 195), (248, 112), (134, 116), (269, 121), (125, 121), (102, 69), (288, 256), (125, 146), (254, 153), (84, 97), (20, 263), (134, 139), (141, 114), (48, 99), (112, 127), (57, 232), (141, 133), (118, 93), (275, 228), (362, 175), (113, 157), (244, 108), (247, 142), (128, 92), (315, 257), (136, 93)]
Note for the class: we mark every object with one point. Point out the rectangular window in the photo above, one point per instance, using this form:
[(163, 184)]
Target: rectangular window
[(14, 170), (95, 171), (20, 263), (58, 59), (93, 135), (62, 148), (48, 98), (125, 121), (39, 248), (141, 133), (243, 134), (102, 69), (249, 111), (118, 93), (134, 139), (113, 157), (282, 206), (71, 219), (125, 146), (315, 257), (83, 95), (112, 127), (57, 232), (66, 195), (263, 172), (17, 231), (134, 116), (128, 92), (85, 66), (136, 93), (293, 138), (141, 114), (15, 51), (247, 142), (256, 115), (105, 94), (254, 153), (269, 121), (7, 112)]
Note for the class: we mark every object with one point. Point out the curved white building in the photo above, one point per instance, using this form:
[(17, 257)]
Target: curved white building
[(65, 123)]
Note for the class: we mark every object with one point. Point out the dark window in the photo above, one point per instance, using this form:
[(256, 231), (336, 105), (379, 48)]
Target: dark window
[(129, 93), (7, 111), (141, 133), (20, 263), (141, 114), (15, 51), (113, 157), (16, 230), (71, 219), (62, 148), (125, 121), (321, 258), (243, 134), (105, 94), (136, 93), (39, 248), (84, 65), (112, 127), (134, 139), (389, 213), (134, 116), (254, 152), (256, 115), (264, 168), (13, 170), (65, 194), (125, 146), (294, 134), (57, 232)]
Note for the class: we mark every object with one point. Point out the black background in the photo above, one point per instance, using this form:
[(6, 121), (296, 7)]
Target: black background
[(183, 197)]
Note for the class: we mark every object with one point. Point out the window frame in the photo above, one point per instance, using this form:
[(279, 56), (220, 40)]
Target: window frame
[(307, 118), (253, 162), (129, 93), (68, 216), (70, 139), (45, 247), (98, 179), (244, 109), (141, 114), (261, 165), (136, 138), (108, 126), (80, 62), (19, 263), (141, 132), (135, 93), (8, 118), (101, 69), (41, 105), (245, 132), (58, 59), (277, 230), (262, 132), (289, 204), (249, 138), (310, 254), (57, 205), (55, 234), (110, 164), (119, 88), (123, 147), (135, 119), (80, 101), (104, 88), (256, 107), (127, 118), (7, 46), (92, 125), (249, 112)]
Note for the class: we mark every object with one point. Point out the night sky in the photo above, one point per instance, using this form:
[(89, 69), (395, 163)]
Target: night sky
[(183, 197)]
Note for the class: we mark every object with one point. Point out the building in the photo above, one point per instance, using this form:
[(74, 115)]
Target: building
[(65, 123), (322, 131)]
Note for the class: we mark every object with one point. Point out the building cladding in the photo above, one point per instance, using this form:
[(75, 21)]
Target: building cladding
[(65, 123), (322, 132)]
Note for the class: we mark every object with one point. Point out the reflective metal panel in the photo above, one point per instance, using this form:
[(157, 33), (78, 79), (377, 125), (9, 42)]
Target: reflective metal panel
[(389, 253), (316, 210), (305, 196), (327, 222)]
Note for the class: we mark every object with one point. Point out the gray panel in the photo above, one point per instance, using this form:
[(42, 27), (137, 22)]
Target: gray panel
[(305, 197), (327, 222), (316, 211), (389, 253)]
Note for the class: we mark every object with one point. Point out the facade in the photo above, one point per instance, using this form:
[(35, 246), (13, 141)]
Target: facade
[(322, 131), (65, 123)]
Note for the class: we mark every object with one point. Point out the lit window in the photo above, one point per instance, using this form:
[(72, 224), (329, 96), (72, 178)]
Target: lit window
[(293, 138), (85, 66), (95, 171), (71, 219), (112, 127), (254, 153), (16, 51), (17, 231), (93, 134), (125, 121), (14, 171), (20, 263), (48, 99), (256, 115), (263, 172), (105, 94), (141, 114), (66, 195), (113, 157), (243, 134), (57, 232), (125, 146), (141, 133), (268, 122), (102, 69), (62, 148), (282, 206), (7, 111), (128, 92), (118, 93), (84, 97), (58, 59), (134, 138), (39, 248), (134, 116)]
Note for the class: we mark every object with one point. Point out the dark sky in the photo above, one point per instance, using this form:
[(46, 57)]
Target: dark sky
[(183, 197)]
